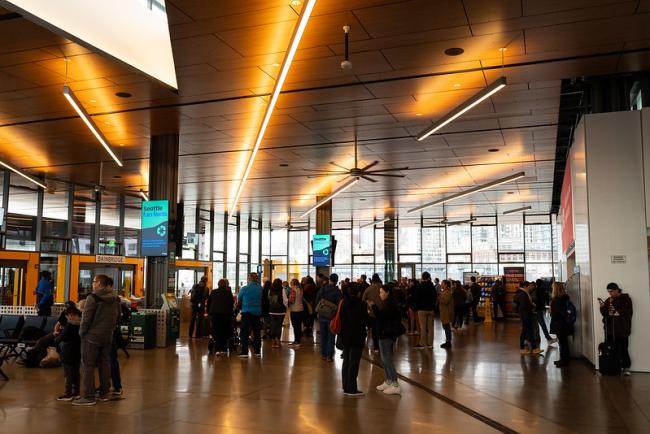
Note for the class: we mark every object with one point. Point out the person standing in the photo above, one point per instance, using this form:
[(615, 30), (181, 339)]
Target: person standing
[(266, 318), (390, 326), (617, 318), (293, 302), (308, 296), (330, 295), (198, 295), (69, 344), (475, 290), (446, 303), (424, 303), (220, 307), (277, 310), (250, 300), (498, 300), (44, 296), (523, 306), (352, 337), (100, 316), (460, 297), (560, 323), (539, 297), (372, 293)]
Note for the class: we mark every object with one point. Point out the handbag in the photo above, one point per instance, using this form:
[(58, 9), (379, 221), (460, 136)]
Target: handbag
[(335, 323)]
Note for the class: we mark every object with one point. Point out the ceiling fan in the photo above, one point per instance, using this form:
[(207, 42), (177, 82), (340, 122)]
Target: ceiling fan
[(357, 172), (291, 227)]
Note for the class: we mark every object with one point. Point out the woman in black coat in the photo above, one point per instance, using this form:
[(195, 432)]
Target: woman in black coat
[(617, 318), (560, 325), (352, 337), (220, 307)]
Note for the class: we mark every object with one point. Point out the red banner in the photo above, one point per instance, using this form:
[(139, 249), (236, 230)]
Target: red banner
[(566, 209)]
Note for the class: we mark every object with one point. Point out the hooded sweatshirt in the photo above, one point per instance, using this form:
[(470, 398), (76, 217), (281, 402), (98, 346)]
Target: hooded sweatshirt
[(100, 316)]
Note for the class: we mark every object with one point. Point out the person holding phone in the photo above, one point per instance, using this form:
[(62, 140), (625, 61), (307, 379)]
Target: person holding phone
[(617, 318)]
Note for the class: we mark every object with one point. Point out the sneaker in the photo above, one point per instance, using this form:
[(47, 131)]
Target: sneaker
[(626, 372), (429, 347), (66, 397), (103, 398), (330, 359), (243, 356), (117, 392), (258, 355), (393, 390), (84, 402), (295, 345), (383, 386), (446, 345), (551, 341), (524, 351), (419, 347), (537, 351), (357, 393)]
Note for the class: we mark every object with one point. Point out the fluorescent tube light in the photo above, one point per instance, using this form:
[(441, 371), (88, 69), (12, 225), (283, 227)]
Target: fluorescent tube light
[(284, 70), (331, 196), (374, 223), (485, 93), (24, 175), (470, 191), (74, 102), (144, 195), (512, 211)]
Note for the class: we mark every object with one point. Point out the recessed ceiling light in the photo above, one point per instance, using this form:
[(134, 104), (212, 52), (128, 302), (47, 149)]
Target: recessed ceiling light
[(123, 94), (296, 2), (456, 84), (284, 165), (502, 49), (275, 65), (493, 150), (92, 101), (107, 123), (454, 51), (418, 114)]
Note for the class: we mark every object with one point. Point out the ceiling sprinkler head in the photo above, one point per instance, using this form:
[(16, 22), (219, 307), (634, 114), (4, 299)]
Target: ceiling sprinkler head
[(346, 64)]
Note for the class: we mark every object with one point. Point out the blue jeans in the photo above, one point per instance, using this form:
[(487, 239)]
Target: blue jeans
[(386, 349), (326, 339)]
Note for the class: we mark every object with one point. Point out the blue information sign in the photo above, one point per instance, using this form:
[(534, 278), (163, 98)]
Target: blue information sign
[(322, 250), (155, 225)]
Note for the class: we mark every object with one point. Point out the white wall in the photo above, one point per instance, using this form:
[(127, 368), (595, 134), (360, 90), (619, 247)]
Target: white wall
[(617, 220)]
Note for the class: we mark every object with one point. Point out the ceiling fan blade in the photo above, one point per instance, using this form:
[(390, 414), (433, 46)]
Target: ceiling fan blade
[(369, 179), (339, 166), (343, 179), (374, 163), (386, 174), (327, 174), (324, 171), (392, 169)]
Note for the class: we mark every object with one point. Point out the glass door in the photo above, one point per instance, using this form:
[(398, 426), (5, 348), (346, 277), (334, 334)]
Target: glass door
[(406, 271), (12, 285), (185, 280)]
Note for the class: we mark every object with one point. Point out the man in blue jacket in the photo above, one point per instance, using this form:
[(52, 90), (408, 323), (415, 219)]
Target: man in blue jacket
[(331, 293), (250, 302)]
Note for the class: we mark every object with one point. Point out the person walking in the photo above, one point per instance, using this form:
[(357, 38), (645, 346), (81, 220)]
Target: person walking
[(327, 300), (460, 297), (560, 323), (250, 301), (293, 302), (446, 303), (277, 311), (424, 303), (539, 297), (390, 326), (617, 313), (198, 295), (220, 307), (372, 293), (352, 337), (44, 295), (523, 306), (101, 314)]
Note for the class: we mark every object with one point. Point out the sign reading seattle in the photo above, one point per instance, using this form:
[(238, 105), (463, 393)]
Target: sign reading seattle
[(155, 224)]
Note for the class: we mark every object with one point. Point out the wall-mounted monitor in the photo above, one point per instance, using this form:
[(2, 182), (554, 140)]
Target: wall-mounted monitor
[(322, 252)]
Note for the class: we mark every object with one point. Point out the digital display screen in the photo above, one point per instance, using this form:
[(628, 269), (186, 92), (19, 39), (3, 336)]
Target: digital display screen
[(322, 250), (155, 227)]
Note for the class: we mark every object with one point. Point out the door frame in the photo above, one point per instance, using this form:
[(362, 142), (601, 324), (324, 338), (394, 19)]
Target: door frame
[(405, 264)]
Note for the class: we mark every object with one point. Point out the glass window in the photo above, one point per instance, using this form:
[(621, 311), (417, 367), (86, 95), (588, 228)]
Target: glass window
[(204, 235), (459, 257), (298, 247), (232, 245), (458, 239), (538, 271), (21, 232), (23, 196), (362, 239), (243, 235), (409, 259), (484, 243), (266, 243), (409, 236), (539, 245), (255, 243), (21, 216), (190, 239), (379, 247), (455, 271), (436, 270), (343, 271), (278, 242), (486, 269), (83, 221), (55, 218), (433, 244), (511, 233), (109, 220), (343, 254)]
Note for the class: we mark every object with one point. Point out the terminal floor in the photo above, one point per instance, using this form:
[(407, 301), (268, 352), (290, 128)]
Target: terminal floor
[(183, 390)]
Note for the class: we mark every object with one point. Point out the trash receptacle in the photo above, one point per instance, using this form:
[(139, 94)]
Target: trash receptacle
[(143, 331)]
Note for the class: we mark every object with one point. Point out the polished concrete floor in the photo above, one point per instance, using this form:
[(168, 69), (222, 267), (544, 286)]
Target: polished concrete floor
[(183, 390)]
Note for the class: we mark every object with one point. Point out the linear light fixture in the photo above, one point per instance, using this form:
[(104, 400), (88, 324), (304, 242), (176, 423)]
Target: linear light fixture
[(74, 102), (375, 223), (470, 191), (284, 71), (23, 174), (331, 196), (462, 222), (144, 195), (485, 93), (512, 211)]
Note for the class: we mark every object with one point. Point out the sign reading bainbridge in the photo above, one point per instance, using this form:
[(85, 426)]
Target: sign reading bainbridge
[(155, 225)]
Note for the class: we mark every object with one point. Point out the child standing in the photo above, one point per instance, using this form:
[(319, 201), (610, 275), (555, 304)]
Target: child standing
[(69, 344)]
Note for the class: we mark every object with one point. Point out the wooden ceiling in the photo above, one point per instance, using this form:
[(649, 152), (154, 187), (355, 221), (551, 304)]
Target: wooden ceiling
[(226, 54)]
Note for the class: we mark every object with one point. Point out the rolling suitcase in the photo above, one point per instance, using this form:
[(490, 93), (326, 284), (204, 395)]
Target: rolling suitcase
[(609, 362)]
